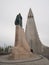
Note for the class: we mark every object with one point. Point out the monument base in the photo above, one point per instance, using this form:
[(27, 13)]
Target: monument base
[(20, 53), (21, 49)]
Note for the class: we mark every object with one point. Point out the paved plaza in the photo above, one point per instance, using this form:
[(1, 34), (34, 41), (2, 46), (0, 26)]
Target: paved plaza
[(38, 60)]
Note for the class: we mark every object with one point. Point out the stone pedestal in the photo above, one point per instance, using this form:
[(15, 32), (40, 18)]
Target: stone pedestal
[(21, 49)]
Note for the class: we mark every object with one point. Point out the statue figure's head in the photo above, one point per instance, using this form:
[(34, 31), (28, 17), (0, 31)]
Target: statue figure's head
[(18, 20)]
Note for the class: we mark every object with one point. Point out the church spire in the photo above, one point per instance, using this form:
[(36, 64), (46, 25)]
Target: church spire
[(30, 14), (32, 34)]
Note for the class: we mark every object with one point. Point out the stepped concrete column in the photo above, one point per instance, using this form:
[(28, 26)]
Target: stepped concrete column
[(32, 34)]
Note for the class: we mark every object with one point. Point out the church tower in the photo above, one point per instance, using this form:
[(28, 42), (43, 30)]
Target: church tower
[(32, 34)]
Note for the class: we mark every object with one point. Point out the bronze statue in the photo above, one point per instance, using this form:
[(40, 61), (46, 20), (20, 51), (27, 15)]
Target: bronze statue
[(18, 20)]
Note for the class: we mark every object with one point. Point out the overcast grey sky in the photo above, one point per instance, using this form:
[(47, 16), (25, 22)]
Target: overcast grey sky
[(10, 8)]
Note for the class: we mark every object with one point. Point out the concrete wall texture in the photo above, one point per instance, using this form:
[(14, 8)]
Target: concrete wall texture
[(33, 38)]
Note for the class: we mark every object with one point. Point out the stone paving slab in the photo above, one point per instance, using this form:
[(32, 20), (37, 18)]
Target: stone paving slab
[(40, 60)]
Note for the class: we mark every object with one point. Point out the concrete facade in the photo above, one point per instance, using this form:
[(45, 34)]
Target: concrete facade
[(32, 34), (33, 38)]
